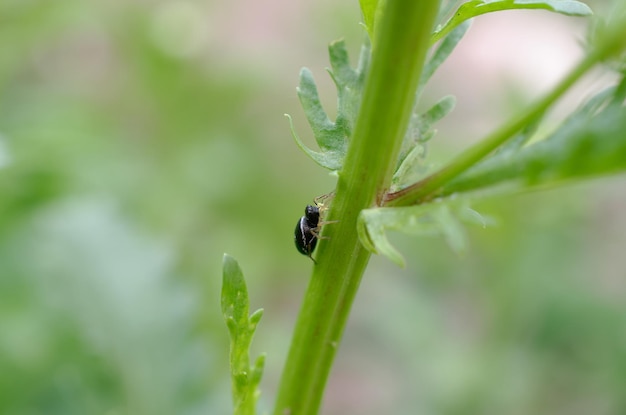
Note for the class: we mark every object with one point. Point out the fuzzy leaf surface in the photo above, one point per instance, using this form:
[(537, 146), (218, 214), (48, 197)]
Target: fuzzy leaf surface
[(333, 137)]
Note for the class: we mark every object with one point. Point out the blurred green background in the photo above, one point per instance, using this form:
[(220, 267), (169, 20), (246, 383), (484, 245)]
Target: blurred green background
[(140, 140)]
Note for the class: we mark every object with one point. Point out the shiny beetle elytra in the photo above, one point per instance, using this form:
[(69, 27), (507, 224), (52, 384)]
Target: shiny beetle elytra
[(306, 232)]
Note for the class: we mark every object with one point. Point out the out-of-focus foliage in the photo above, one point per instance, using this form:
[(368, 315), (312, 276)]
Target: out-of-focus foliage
[(530, 320), (132, 158), (135, 150), (245, 378)]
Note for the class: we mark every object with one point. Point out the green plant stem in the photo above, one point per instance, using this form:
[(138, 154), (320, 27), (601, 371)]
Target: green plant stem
[(399, 49), (428, 188)]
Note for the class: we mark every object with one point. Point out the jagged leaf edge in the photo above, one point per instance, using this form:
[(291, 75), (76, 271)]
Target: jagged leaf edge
[(373, 223), (328, 160), (329, 137)]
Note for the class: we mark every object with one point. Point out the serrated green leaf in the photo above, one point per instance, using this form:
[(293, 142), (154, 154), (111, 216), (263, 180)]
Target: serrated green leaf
[(434, 219), (342, 72), (333, 137), (331, 160), (588, 144), (475, 8), (326, 133), (348, 84), (244, 378)]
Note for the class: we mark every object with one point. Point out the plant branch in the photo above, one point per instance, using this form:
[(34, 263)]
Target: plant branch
[(427, 188), (400, 44)]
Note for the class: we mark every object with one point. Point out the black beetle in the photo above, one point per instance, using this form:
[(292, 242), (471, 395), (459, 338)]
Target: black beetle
[(306, 232)]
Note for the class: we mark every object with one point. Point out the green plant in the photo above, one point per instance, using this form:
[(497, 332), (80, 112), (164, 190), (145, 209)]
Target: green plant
[(375, 147)]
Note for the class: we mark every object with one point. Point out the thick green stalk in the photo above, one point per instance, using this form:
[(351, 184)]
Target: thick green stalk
[(399, 49)]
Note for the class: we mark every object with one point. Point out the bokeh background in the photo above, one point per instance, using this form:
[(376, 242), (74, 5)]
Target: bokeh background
[(140, 140)]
